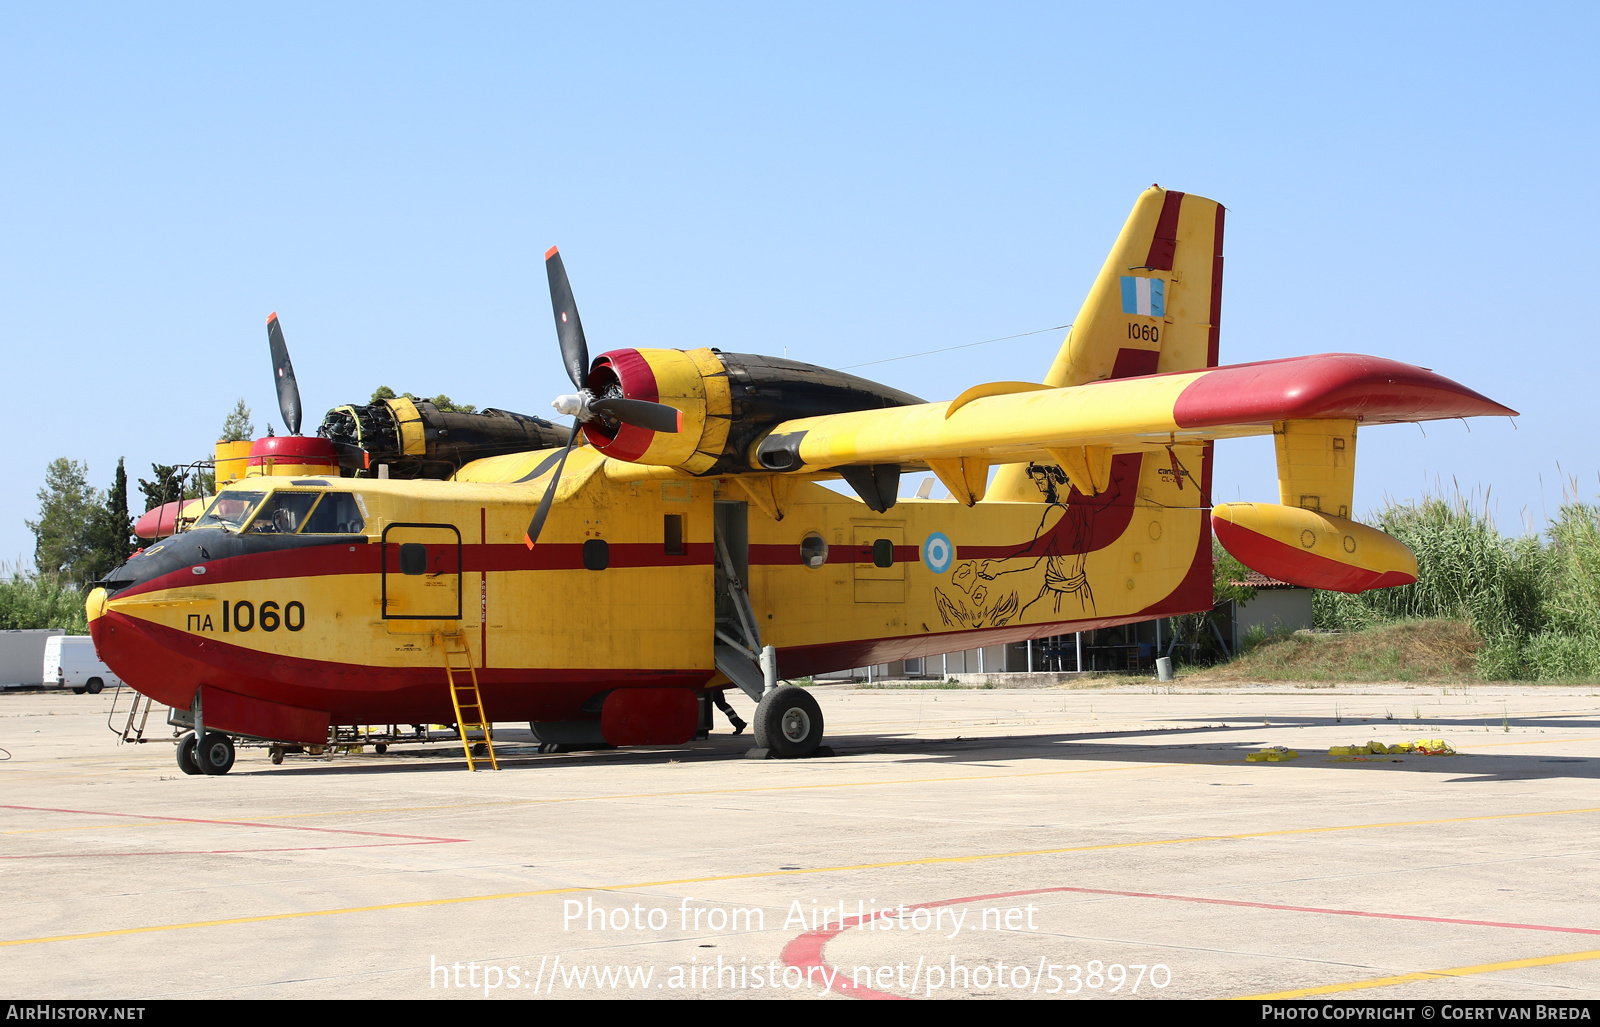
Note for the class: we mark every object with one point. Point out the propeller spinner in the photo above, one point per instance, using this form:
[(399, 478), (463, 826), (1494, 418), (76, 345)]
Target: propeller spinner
[(585, 405)]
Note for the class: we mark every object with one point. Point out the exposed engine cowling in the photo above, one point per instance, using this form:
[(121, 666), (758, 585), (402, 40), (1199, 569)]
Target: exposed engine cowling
[(727, 399), (418, 440)]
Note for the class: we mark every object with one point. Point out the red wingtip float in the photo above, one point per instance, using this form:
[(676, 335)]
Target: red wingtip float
[(680, 543)]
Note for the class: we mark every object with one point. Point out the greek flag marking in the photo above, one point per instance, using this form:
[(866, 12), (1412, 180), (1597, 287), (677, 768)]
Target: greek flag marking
[(1145, 297)]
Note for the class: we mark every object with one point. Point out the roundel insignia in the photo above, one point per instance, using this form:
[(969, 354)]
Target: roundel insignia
[(937, 553)]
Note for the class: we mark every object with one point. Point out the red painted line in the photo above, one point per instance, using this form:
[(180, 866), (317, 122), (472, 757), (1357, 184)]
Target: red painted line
[(807, 950), (1214, 333), (231, 852), (236, 823)]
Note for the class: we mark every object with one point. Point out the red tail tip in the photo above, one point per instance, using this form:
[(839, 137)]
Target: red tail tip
[(272, 317), (549, 253)]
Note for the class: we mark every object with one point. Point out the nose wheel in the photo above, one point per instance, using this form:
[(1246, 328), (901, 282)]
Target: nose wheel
[(211, 755)]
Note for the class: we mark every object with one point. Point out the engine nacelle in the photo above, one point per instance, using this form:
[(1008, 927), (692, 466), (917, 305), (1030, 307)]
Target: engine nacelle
[(727, 400), (415, 439), (694, 382), (1312, 549)]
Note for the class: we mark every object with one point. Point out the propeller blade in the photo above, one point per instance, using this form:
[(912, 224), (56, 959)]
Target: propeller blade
[(640, 414), (283, 374), (536, 525), (569, 330)]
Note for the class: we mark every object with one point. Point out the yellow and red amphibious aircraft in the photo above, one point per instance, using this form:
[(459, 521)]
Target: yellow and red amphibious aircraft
[(685, 546)]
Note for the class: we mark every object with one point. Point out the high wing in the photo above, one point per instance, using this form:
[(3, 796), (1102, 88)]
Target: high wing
[(1013, 422)]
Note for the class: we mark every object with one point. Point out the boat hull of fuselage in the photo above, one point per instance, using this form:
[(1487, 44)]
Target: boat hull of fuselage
[(172, 667), (295, 633)]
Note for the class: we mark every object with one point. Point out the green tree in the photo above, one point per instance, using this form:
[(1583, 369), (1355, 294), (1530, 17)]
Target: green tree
[(115, 528), (1228, 576), (72, 520), (164, 489), (444, 403), (238, 427)]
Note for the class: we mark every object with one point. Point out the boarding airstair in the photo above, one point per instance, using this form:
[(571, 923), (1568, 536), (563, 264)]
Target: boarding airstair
[(465, 697), (132, 730)]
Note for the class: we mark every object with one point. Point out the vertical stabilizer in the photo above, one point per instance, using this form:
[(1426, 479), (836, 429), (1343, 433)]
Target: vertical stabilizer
[(1156, 306)]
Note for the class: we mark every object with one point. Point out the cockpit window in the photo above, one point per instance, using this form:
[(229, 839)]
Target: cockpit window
[(283, 514), (230, 510), (337, 514)]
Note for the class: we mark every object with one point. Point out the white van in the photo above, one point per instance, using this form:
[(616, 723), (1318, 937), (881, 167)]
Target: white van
[(71, 662)]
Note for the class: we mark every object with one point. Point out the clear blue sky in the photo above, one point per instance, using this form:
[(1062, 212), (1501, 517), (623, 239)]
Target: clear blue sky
[(851, 182)]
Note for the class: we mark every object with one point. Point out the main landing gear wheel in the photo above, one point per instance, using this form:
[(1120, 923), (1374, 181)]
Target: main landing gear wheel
[(215, 753), (186, 760), (788, 722)]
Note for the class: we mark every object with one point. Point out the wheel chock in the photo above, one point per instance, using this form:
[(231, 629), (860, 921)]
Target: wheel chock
[(759, 753)]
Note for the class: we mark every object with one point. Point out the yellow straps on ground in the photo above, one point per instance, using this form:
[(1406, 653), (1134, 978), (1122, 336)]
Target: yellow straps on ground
[(464, 695)]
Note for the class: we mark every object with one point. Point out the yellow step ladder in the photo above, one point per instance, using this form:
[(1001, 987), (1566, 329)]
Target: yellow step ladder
[(464, 696)]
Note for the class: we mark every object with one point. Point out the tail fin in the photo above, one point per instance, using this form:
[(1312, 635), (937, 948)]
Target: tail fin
[(1156, 306), (1157, 302)]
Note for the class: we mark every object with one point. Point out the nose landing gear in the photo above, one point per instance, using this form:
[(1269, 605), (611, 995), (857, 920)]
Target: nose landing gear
[(212, 755)]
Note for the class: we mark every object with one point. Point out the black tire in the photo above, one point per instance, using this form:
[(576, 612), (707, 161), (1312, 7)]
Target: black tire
[(215, 753), (275, 754), (94, 685), (380, 748), (186, 761), (788, 722), (79, 691)]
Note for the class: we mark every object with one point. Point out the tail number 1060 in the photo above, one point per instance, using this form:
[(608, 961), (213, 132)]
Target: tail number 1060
[(245, 616)]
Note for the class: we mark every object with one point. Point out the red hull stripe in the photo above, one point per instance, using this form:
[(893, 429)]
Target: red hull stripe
[(169, 665), (317, 561), (1298, 567), (1332, 385), (1164, 246), (767, 555)]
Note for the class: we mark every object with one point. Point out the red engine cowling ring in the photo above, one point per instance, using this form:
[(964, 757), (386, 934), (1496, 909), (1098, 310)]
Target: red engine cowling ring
[(628, 369)]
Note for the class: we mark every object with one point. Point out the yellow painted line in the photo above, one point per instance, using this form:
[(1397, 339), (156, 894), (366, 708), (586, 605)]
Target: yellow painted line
[(926, 861), (1431, 975), (714, 791)]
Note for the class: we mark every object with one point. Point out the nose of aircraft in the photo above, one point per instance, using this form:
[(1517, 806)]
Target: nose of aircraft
[(171, 554)]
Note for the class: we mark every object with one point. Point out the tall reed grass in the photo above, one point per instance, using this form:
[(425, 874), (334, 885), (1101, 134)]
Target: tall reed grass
[(38, 601), (1534, 603)]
